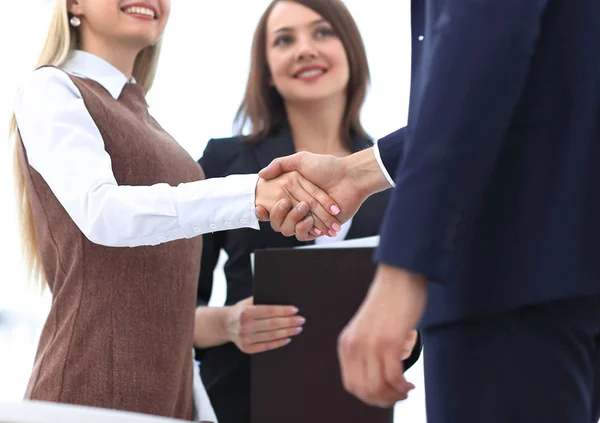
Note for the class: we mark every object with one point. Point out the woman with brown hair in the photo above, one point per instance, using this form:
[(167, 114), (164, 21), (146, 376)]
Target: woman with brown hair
[(307, 83)]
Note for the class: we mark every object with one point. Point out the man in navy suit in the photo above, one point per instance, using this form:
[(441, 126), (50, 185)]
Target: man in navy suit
[(490, 242)]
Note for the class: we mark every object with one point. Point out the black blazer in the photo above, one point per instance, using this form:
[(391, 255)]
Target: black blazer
[(225, 370)]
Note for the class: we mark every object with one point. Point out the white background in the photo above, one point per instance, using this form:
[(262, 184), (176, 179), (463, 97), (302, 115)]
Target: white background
[(199, 86)]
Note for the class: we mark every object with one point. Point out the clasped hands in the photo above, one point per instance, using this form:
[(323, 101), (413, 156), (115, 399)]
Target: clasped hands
[(310, 195)]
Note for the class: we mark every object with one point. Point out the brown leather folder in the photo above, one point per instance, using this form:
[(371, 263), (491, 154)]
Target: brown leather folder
[(301, 382)]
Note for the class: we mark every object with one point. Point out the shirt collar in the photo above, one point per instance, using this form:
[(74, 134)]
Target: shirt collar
[(90, 66)]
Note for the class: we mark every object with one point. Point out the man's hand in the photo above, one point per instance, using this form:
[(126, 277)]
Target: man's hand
[(371, 348), (409, 345), (349, 181)]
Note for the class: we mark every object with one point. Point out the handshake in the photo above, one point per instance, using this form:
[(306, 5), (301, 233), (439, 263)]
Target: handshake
[(311, 195)]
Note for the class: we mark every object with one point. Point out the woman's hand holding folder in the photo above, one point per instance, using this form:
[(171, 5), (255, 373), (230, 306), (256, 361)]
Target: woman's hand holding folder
[(258, 328)]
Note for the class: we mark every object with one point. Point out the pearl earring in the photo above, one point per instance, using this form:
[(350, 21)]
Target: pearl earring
[(75, 21)]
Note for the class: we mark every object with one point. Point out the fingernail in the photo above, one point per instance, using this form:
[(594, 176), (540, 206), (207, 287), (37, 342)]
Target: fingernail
[(297, 330), (336, 227), (332, 233), (317, 231), (294, 310), (300, 320), (335, 209), (287, 341), (307, 220), (282, 206), (303, 208)]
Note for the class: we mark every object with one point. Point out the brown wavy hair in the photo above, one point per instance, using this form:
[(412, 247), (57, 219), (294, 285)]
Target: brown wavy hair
[(262, 107)]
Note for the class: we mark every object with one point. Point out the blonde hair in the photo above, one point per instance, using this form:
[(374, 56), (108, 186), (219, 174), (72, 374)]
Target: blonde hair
[(61, 41)]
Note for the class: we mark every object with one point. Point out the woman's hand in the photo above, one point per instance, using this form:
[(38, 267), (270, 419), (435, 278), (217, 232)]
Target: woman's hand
[(303, 197), (258, 328)]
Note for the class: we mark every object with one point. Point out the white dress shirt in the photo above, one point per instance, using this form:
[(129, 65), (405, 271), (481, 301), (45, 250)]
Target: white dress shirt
[(380, 163), (65, 147)]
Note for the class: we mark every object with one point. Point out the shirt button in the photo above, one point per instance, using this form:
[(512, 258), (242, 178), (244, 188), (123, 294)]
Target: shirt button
[(162, 238), (197, 229), (228, 224), (243, 221), (421, 38), (213, 226)]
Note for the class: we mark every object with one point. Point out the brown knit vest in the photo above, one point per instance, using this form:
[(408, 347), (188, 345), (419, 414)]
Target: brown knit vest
[(120, 329)]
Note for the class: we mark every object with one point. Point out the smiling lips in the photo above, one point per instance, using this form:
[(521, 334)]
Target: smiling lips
[(141, 11), (310, 74)]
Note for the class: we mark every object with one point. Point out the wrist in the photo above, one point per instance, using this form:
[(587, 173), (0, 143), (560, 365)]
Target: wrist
[(363, 169), (223, 323), (211, 326), (258, 191), (408, 288)]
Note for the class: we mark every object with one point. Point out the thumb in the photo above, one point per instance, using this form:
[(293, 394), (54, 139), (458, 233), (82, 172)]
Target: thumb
[(280, 166), (261, 213)]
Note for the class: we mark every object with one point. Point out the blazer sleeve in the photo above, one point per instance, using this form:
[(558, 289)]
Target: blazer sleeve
[(211, 242), (213, 166), (460, 119), (211, 249)]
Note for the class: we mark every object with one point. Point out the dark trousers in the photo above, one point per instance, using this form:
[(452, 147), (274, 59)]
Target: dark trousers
[(537, 364)]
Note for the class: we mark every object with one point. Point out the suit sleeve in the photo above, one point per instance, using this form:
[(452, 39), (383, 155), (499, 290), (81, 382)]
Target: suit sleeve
[(389, 150), (475, 64)]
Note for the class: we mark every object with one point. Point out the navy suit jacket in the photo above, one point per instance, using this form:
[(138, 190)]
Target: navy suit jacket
[(497, 198)]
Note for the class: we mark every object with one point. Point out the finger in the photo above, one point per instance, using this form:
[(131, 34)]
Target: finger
[(279, 212), (277, 323), (305, 231), (323, 227), (362, 374), (261, 213), (373, 388), (393, 373), (321, 196), (330, 226), (258, 312), (281, 165), (273, 335), (318, 224), (315, 224), (267, 346), (325, 221), (295, 216)]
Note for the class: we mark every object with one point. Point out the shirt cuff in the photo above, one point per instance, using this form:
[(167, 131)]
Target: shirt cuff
[(217, 204), (381, 165)]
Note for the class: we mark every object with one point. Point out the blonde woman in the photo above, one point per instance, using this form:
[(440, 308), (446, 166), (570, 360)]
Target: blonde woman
[(97, 175)]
